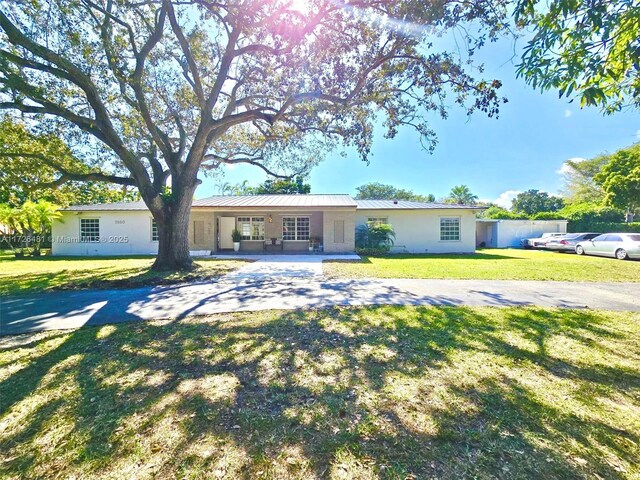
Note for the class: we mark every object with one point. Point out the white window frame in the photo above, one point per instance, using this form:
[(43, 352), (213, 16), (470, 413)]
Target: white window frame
[(154, 226), (251, 221), (459, 228), (84, 238), (297, 218), (378, 220)]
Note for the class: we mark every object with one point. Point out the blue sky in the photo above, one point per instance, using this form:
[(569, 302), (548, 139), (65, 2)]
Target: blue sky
[(524, 148)]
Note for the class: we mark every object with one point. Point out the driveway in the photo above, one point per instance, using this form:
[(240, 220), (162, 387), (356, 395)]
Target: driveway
[(278, 267), (263, 291)]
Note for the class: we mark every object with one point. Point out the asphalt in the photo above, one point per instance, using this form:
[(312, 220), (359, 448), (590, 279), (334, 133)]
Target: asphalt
[(63, 310)]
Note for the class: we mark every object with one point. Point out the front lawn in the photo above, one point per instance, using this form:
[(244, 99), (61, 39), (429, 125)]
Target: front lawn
[(507, 264), (362, 393), (19, 276)]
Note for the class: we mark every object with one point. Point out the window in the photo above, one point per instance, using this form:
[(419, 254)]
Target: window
[(613, 238), (252, 228), (295, 228), (378, 220), (89, 230), (450, 229), (154, 230)]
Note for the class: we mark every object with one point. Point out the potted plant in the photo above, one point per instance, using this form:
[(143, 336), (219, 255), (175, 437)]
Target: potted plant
[(312, 244), (236, 236)]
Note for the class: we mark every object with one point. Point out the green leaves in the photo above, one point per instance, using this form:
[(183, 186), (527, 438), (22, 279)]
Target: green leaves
[(461, 194), (620, 179), (586, 49), (380, 191), (535, 201)]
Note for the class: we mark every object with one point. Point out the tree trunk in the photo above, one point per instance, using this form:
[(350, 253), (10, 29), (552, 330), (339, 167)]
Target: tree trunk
[(173, 233)]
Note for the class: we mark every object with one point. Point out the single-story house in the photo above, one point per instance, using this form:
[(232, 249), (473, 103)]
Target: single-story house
[(287, 223), (508, 233)]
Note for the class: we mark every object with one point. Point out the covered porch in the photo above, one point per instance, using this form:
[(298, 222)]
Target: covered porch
[(270, 232), (273, 231)]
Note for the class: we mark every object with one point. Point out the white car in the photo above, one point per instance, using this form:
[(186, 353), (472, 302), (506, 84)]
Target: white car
[(541, 241), (617, 245)]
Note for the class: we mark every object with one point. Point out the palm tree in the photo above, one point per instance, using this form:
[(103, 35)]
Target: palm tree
[(461, 194)]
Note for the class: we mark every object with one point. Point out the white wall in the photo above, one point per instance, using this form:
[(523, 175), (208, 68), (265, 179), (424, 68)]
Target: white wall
[(329, 218), (418, 231), (511, 232), (122, 233)]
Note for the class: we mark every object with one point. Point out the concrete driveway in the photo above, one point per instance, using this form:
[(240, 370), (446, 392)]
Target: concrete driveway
[(277, 267), (243, 292)]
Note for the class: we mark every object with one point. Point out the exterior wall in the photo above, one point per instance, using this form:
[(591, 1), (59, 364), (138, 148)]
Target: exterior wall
[(209, 232), (418, 231), (121, 232), (487, 233), (331, 244), (317, 228), (511, 232)]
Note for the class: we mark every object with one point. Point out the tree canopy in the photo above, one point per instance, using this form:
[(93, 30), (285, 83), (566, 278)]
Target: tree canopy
[(620, 179), (270, 186), (535, 201), (461, 194), (381, 191), (25, 176), (585, 49), (163, 88), (579, 183)]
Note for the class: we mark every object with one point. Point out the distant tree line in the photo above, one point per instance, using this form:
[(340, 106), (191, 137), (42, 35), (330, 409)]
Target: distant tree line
[(599, 193)]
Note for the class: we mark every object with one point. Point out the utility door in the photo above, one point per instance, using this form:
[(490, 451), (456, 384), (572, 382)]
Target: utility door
[(227, 224)]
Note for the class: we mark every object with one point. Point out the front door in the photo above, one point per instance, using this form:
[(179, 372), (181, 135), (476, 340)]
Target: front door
[(227, 224)]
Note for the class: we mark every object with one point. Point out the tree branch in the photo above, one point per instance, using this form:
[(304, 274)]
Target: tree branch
[(66, 175)]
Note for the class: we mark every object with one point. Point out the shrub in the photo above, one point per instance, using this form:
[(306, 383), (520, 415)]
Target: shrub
[(375, 235), (547, 216), (373, 251), (584, 217), (498, 213), (604, 227)]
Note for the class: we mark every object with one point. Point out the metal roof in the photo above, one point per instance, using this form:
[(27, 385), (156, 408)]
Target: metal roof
[(283, 201), (408, 205), (107, 207), (233, 201), (305, 200)]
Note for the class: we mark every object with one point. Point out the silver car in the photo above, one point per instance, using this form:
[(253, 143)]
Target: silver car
[(618, 245), (568, 242)]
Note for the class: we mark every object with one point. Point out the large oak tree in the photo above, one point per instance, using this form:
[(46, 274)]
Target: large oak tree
[(167, 88)]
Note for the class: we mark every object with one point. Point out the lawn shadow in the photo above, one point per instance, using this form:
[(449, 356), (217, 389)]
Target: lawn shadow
[(344, 393)]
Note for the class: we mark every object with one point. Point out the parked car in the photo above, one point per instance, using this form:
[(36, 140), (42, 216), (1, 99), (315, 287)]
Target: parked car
[(618, 245), (568, 242), (539, 242)]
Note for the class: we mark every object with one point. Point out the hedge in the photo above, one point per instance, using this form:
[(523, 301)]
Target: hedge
[(602, 227)]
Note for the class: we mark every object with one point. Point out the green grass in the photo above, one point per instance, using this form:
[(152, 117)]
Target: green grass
[(507, 264), (387, 392), (21, 276)]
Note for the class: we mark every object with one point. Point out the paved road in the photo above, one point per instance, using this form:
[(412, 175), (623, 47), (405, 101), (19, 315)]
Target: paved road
[(239, 293)]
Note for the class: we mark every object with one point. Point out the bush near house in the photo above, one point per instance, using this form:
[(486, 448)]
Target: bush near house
[(374, 239)]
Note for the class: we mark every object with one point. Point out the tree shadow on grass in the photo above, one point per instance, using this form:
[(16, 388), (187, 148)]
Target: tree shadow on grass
[(339, 393)]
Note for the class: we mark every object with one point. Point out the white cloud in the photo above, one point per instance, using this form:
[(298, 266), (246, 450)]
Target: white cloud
[(505, 198), (565, 168), (567, 113)]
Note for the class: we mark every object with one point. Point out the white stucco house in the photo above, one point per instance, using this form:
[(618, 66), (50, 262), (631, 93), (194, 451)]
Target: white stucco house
[(281, 223)]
